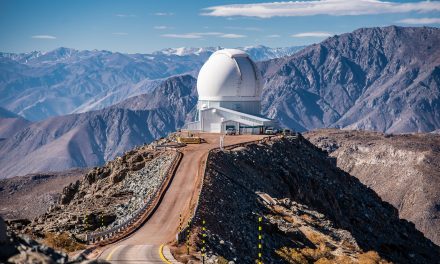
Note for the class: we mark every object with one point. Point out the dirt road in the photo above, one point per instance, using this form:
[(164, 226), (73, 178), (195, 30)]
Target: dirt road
[(143, 245)]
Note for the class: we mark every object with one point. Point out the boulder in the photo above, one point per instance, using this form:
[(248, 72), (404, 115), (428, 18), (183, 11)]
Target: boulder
[(69, 192), (31, 257)]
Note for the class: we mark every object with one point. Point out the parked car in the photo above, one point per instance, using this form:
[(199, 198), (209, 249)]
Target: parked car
[(287, 132), (231, 131), (270, 131)]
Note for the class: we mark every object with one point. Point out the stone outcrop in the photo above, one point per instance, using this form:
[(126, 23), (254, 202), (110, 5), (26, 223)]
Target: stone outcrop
[(21, 249), (69, 192)]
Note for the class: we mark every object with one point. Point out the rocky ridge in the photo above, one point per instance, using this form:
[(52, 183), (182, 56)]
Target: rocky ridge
[(104, 197), (308, 190), (403, 169)]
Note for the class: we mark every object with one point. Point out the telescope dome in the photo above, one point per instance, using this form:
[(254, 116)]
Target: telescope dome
[(229, 75)]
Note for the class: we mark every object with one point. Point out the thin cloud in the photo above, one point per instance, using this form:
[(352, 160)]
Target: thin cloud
[(420, 21), (245, 28), (162, 27), (120, 33), (163, 14), (320, 7), (312, 35), (198, 35), (183, 36), (43, 37), (273, 36), (208, 33), (232, 36), (125, 15)]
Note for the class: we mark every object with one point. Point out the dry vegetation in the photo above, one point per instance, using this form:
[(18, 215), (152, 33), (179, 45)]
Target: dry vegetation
[(62, 242), (322, 255)]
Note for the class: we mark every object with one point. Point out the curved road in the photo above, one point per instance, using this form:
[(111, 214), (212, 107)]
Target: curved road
[(162, 227)]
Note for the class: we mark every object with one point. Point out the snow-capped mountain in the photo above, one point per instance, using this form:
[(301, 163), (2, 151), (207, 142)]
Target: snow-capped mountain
[(262, 53), (257, 53), (185, 51), (38, 85)]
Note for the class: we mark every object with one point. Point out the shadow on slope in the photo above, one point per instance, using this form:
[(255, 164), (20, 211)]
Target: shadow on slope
[(295, 169)]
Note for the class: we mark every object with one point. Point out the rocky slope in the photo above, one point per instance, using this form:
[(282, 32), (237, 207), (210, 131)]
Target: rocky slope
[(383, 79), (403, 169), (10, 126), (105, 196), (31, 195), (38, 85), (319, 212), (89, 139)]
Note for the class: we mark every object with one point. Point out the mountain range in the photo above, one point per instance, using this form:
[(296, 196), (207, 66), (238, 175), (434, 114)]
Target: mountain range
[(38, 85), (384, 79), (89, 139)]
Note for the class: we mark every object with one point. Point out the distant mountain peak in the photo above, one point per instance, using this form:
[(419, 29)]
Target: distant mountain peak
[(380, 79)]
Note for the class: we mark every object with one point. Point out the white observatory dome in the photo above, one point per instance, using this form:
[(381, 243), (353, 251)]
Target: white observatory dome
[(229, 75)]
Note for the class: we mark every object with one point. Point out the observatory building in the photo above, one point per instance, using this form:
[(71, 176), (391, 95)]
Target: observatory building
[(229, 87)]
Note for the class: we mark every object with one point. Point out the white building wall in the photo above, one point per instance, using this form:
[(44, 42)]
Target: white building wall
[(211, 120), (215, 120), (247, 107)]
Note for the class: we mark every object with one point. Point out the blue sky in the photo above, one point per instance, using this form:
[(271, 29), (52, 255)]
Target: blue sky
[(144, 26)]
